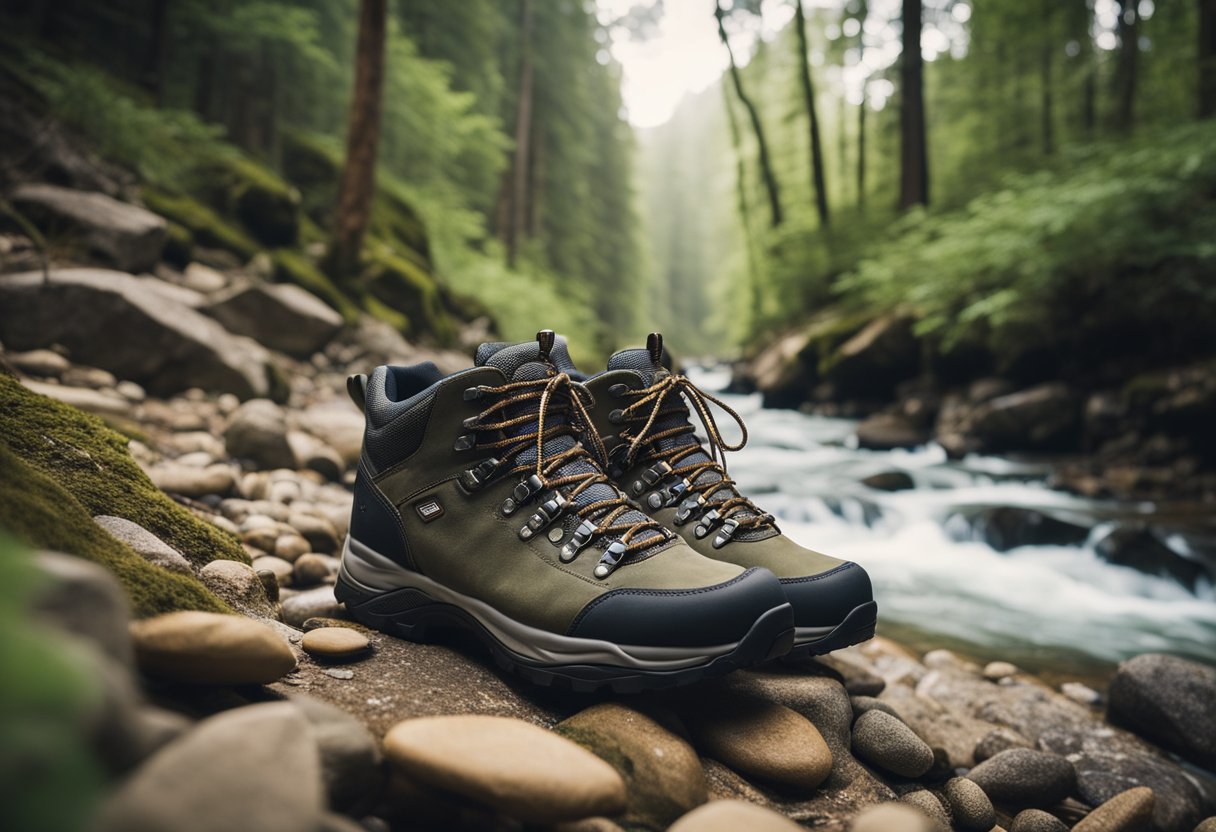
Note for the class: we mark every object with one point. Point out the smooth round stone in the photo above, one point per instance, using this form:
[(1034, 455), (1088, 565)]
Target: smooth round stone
[(289, 547), (1208, 825), (1036, 820), (971, 808), (999, 670), (1128, 811), (931, 805), (521, 770), (883, 740), (732, 816), (211, 649), (861, 704), (1022, 777), (335, 643), (763, 740), (893, 817), (311, 569)]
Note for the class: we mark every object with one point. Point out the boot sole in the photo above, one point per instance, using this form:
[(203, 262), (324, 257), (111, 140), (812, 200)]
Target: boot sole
[(414, 614), (857, 626)]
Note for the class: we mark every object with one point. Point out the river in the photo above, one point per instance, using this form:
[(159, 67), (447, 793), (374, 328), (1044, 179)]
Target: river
[(1050, 608)]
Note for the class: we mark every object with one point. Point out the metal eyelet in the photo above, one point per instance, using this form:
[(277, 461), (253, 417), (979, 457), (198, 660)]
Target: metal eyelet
[(708, 521), (522, 493), (610, 559), (546, 513), (582, 536), (726, 533), (475, 478), (688, 509), (464, 442), (472, 394), (471, 423), (667, 497)]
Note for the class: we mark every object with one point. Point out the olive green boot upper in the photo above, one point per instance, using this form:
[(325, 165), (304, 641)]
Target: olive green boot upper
[(643, 413)]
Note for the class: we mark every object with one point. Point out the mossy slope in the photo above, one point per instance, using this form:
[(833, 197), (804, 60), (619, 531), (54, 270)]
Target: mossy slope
[(39, 511), (90, 462)]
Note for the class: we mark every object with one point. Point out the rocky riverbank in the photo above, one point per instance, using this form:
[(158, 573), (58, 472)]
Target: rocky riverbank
[(1132, 431)]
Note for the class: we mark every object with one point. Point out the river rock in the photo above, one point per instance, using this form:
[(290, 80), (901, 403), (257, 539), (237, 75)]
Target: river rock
[(255, 767), (257, 431), (886, 431), (1046, 417), (312, 603), (861, 704), (166, 346), (873, 361), (312, 454), (86, 600), (996, 741), (203, 278), (996, 671), (312, 569), (970, 807), (282, 316), (521, 770), (1036, 820), (760, 739), (931, 805), (1168, 700), (335, 643), (338, 423), (239, 585), (1023, 777), (889, 481), (127, 236), (1143, 550), (145, 544), (290, 547), (318, 531), (210, 649), (41, 363), (98, 402), (1129, 811), (662, 773), (888, 743), (1008, 527), (1208, 825), (279, 568), (731, 816), (350, 755), (893, 817)]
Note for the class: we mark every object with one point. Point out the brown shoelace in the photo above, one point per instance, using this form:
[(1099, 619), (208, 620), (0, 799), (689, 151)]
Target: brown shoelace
[(559, 395), (664, 399)]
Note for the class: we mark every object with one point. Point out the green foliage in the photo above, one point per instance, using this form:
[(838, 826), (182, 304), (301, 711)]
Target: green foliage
[(1120, 242), (206, 227), (90, 461)]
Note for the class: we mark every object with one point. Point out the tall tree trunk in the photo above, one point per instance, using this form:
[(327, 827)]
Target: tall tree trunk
[(766, 167), (1045, 60), (808, 94), (862, 14), (518, 196), (1126, 67), (157, 60), (358, 185), (1207, 58), (913, 153), (755, 294)]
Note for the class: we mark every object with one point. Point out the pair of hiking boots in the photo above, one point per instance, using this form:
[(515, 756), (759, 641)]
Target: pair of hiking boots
[(577, 525)]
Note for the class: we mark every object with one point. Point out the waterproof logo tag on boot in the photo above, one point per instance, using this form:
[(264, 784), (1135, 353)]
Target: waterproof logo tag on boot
[(429, 510)]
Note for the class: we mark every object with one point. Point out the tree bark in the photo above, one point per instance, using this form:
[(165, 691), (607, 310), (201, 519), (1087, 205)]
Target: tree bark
[(755, 295), (808, 95), (358, 185), (766, 167), (1207, 58), (862, 14), (517, 209), (1127, 65), (914, 156)]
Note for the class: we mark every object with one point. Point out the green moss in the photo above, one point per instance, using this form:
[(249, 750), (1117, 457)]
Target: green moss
[(293, 267), (41, 512), (90, 461), (396, 224), (406, 289), (266, 206), (208, 227)]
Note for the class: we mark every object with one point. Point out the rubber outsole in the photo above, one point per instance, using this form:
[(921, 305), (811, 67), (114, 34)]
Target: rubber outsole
[(413, 615), (857, 626)]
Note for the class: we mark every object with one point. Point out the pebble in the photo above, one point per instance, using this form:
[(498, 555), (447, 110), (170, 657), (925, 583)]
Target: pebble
[(995, 671), (931, 805), (318, 531), (970, 807), (731, 816), (883, 740), (338, 673), (523, 771), (1078, 692), (861, 704), (1036, 820), (663, 774), (996, 741), (257, 431), (190, 442), (290, 546), (335, 643), (192, 482), (312, 569), (1208, 825), (238, 584), (1128, 811), (892, 817), (760, 739), (254, 767), (312, 603), (42, 363), (145, 544), (281, 569), (210, 648), (1023, 777), (131, 391)]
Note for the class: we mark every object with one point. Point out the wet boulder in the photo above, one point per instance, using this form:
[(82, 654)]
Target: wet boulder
[(1143, 550), (1170, 701), (1008, 527), (871, 363), (1046, 417), (884, 431)]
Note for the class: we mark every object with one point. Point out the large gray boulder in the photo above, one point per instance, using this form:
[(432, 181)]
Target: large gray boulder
[(871, 363), (137, 328), (127, 236), (1169, 700), (1046, 417), (280, 315)]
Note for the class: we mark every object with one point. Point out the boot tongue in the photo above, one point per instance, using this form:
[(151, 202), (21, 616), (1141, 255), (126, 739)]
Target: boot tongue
[(640, 361), (513, 358)]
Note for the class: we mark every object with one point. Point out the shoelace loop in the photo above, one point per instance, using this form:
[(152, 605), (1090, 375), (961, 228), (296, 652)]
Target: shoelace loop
[(659, 396)]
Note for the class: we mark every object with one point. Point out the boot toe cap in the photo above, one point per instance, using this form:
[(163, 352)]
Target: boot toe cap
[(826, 599)]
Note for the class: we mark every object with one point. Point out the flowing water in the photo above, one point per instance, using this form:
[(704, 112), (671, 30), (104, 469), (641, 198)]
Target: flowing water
[(1047, 607)]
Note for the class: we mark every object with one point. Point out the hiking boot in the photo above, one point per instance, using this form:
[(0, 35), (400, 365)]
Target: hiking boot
[(643, 412), (477, 506)]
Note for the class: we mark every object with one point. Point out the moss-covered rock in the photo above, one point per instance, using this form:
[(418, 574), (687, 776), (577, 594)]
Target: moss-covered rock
[(208, 227), (292, 267), (406, 288), (256, 196), (313, 164), (91, 463), (38, 510), (395, 222)]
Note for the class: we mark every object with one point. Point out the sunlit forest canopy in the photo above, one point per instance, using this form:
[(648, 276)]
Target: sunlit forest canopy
[(722, 170)]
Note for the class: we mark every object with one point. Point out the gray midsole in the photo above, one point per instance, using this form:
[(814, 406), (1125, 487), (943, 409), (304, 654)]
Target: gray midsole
[(368, 571)]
